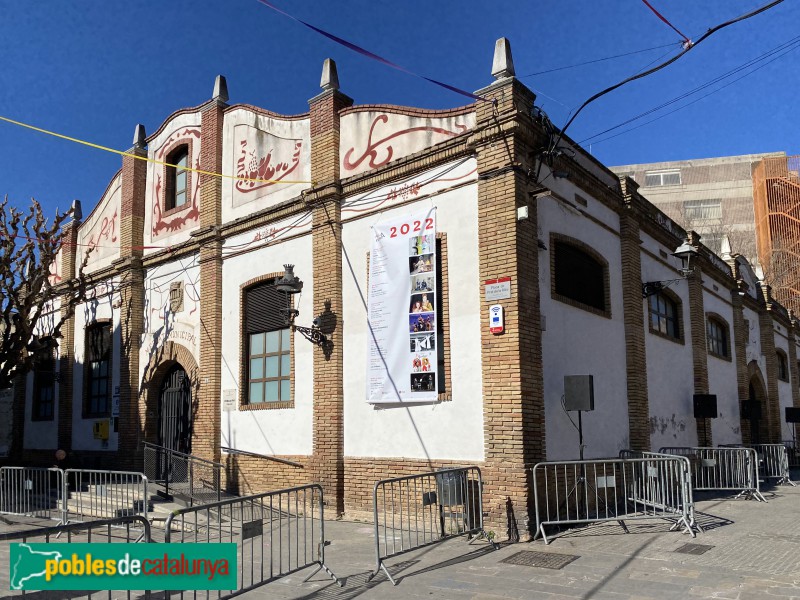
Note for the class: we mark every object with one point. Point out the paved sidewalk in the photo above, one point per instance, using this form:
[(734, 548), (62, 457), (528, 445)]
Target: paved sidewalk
[(755, 555)]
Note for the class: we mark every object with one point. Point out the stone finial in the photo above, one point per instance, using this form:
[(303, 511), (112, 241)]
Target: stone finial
[(725, 248), (75, 209), (502, 64), (220, 89), (139, 137), (330, 77)]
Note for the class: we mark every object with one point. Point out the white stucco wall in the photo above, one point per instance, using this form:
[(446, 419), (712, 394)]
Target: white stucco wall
[(261, 146), (578, 342), (444, 430), (726, 428), (100, 230), (285, 431), (100, 308), (672, 420)]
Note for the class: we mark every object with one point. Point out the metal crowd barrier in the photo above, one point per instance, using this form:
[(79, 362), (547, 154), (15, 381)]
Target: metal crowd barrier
[(420, 510), (276, 533), (194, 479), (622, 489), (792, 454), (129, 529), (722, 469), (773, 462), (95, 494), (33, 492)]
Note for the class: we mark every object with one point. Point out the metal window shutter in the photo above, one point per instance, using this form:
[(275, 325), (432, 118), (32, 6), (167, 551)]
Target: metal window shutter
[(262, 309)]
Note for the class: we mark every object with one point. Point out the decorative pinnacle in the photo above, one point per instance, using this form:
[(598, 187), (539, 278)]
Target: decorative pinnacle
[(139, 137), (220, 89), (330, 77), (502, 64)]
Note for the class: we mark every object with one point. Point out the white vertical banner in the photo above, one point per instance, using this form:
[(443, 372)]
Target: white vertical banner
[(402, 361)]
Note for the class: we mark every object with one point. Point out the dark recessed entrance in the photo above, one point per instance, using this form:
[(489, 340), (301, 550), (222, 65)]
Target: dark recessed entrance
[(175, 411)]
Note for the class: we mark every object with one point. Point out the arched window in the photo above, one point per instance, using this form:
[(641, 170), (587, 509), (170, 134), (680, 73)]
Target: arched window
[(177, 178), (718, 337), (665, 316), (579, 277), (783, 366)]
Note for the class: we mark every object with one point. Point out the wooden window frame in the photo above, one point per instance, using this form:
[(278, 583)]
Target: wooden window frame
[(88, 379), (783, 360), (244, 352), (44, 379), (170, 174), (558, 238), (717, 321), (675, 300)]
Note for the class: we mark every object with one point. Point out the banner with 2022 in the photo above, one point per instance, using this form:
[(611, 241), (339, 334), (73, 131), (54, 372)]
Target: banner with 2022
[(402, 361)]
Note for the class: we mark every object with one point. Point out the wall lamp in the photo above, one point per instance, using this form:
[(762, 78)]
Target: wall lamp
[(685, 252), (291, 284)]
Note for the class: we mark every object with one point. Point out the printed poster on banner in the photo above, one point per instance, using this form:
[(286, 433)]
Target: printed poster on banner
[(403, 318)]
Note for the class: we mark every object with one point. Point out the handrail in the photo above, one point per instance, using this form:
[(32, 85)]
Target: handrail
[(285, 461), (183, 454)]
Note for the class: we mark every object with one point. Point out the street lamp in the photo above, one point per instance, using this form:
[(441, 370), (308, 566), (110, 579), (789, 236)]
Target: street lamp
[(685, 252), (289, 285)]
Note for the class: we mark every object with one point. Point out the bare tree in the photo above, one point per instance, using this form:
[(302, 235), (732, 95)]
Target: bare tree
[(781, 271), (33, 308), (717, 226)]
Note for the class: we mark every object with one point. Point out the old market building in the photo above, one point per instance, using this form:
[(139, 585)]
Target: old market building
[(185, 344)]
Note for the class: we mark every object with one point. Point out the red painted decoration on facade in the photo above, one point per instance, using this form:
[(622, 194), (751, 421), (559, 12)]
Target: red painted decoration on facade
[(371, 151), (252, 166), (175, 222)]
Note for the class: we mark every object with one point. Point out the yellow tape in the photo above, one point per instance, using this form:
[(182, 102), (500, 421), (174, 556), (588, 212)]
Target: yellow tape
[(144, 158)]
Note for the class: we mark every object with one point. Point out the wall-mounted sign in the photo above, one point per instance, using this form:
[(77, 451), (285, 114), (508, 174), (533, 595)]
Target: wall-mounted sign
[(115, 403), (496, 324), (229, 400), (497, 289)]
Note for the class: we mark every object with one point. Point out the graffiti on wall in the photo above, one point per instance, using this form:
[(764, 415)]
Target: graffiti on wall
[(167, 222)]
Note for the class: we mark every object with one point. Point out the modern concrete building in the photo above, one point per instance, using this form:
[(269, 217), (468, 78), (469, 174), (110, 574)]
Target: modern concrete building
[(534, 267)]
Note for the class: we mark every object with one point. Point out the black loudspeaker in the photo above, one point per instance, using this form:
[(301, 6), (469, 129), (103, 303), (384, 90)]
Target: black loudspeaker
[(578, 392), (705, 406), (751, 410), (792, 414)]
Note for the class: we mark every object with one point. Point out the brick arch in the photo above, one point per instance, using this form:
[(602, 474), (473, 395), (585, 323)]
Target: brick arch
[(160, 363)]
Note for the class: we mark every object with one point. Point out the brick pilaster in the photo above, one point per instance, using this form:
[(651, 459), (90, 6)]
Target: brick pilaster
[(327, 463), (771, 409), (206, 409), (513, 402), (131, 302), (697, 323), (794, 376), (633, 316), (67, 342)]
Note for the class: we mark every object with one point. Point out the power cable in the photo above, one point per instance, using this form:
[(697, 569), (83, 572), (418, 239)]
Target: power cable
[(664, 19), (701, 87), (144, 158), (795, 47), (364, 52), (687, 48), (597, 60)]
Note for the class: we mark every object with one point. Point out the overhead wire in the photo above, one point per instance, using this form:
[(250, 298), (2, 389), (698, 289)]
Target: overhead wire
[(146, 158), (597, 60), (687, 48), (795, 46)]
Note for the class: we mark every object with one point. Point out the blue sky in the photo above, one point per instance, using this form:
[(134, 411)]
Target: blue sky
[(93, 69)]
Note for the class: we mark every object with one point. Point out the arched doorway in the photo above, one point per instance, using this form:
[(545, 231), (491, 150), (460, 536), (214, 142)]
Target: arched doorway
[(175, 411), (754, 411)]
